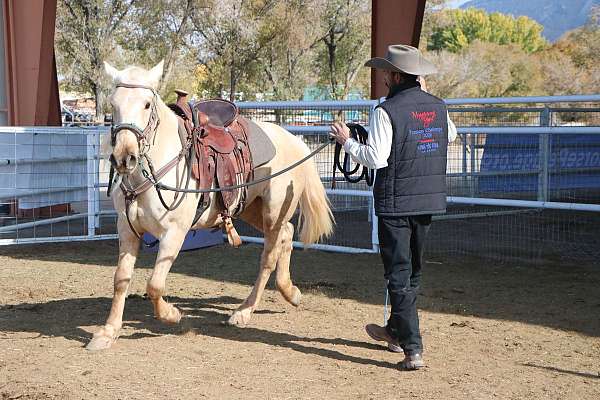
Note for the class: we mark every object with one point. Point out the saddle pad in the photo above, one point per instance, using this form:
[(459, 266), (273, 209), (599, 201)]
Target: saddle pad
[(261, 147)]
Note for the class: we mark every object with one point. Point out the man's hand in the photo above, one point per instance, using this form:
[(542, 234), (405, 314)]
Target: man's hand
[(340, 132)]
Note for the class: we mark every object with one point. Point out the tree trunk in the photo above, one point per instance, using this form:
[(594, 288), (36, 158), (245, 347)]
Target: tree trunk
[(331, 51), (232, 84), (175, 44), (99, 99)]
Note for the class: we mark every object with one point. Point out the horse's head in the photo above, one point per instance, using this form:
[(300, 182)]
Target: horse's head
[(135, 115)]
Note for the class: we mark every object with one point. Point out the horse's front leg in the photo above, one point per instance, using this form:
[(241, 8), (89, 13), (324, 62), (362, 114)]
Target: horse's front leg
[(129, 246), (169, 247)]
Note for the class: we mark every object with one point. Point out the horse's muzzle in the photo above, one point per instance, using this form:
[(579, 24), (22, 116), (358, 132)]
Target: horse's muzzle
[(126, 166)]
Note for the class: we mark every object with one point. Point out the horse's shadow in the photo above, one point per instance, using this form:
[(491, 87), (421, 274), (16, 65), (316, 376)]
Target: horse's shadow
[(204, 316), (558, 297)]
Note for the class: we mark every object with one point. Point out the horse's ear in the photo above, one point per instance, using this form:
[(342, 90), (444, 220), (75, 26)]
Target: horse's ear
[(156, 72), (111, 71)]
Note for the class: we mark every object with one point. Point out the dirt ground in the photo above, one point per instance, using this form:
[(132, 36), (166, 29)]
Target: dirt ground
[(490, 331)]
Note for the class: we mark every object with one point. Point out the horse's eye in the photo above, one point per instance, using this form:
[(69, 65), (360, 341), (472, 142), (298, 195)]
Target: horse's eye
[(147, 106)]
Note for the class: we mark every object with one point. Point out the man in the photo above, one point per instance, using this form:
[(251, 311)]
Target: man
[(407, 144)]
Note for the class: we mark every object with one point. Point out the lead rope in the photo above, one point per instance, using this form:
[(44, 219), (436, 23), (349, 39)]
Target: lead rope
[(111, 177), (385, 307), (247, 184), (360, 134), (130, 198)]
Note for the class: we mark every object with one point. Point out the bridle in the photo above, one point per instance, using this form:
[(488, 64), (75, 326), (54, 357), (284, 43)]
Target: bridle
[(151, 126), (151, 175)]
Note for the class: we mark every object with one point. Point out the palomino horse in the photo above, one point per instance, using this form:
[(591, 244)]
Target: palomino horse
[(269, 205)]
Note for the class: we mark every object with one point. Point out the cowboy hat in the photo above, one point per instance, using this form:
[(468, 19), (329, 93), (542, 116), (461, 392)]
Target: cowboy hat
[(403, 58)]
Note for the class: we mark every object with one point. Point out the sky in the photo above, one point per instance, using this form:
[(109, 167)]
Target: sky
[(456, 3)]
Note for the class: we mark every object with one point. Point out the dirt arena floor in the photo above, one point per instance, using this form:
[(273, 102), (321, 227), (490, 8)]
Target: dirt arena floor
[(490, 331)]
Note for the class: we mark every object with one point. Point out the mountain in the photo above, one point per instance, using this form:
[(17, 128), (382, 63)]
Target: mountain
[(557, 16)]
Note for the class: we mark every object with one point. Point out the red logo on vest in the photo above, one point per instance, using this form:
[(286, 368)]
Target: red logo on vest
[(426, 117)]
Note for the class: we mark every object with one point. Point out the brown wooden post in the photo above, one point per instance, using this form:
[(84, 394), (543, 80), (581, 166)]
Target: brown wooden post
[(30, 65), (393, 22)]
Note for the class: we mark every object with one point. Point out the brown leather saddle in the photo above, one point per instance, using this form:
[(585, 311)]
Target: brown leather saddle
[(221, 154)]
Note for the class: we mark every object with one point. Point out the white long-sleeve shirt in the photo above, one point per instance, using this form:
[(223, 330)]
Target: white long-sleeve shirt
[(375, 153)]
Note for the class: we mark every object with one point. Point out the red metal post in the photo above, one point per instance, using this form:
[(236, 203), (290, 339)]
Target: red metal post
[(393, 22), (31, 81)]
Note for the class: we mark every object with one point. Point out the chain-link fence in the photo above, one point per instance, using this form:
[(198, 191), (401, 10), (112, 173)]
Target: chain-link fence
[(544, 155)]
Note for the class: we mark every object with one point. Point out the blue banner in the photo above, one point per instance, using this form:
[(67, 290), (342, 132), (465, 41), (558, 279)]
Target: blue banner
[(571, 157)]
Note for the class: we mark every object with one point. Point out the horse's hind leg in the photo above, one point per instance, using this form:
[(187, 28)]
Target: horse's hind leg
[(129, 246), (271, 217), (169, 247), (268, 261), (284, 283)]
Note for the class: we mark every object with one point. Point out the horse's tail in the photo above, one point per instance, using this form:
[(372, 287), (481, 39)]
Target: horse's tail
[(316, 219)]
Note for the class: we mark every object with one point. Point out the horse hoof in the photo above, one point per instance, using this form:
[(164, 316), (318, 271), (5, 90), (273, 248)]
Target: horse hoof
[(240, 318), (296, 297), (173, 317), (100, 343)]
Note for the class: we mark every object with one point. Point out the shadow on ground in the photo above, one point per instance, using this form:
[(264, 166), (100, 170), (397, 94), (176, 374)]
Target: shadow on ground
[(556, 296), (203, 316)]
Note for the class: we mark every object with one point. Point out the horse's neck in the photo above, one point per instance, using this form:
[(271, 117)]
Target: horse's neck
[(166, 144)]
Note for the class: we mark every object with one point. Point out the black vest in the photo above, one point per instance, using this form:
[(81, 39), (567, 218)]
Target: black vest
[(414, 181)]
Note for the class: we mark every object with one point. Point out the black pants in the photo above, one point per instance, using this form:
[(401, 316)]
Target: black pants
[(401, 243)]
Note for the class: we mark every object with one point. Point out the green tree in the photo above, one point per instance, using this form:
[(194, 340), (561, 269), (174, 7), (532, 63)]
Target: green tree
[(286, 63), (162, 29), (432, 17), (85, 37), (345, 45), (231, 36), (463, 27)]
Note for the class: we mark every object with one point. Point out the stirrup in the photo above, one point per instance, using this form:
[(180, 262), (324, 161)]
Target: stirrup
[(232, 236)]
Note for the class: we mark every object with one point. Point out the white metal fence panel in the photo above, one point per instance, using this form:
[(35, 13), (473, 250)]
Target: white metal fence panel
[(48, 183)]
